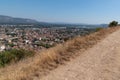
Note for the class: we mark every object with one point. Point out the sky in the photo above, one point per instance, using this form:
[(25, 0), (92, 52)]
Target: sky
[(63, 11)]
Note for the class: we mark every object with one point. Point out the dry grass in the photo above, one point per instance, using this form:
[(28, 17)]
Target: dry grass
[(50, 59)]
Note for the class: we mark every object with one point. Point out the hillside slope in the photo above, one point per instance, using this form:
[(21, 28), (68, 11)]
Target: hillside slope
[(102, 62), (12, 20), (43, 62)]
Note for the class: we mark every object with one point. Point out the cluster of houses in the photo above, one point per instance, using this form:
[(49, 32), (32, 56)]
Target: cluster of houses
[(36, 38)]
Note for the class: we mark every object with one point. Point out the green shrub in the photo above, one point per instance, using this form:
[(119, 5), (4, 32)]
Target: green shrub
[(47, 46), (13, 55), (98, 29), (113, 24), (11, 44), (44, 45)]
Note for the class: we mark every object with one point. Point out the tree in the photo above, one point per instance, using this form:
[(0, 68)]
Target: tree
[(113, 24)]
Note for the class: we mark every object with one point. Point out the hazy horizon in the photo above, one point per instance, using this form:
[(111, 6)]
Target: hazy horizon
[(63, 11)]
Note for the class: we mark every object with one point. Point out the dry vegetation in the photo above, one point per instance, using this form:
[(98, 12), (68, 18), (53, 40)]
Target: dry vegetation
[(48, 60)]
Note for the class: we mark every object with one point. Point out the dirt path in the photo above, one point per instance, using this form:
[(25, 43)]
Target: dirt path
[(102, 62)]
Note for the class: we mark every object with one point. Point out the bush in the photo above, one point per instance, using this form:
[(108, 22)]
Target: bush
[(98, 29), (11, 44), (13, 55), (113, 24)]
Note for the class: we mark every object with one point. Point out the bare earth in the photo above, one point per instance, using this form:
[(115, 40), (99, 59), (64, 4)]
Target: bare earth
[(102, 62)]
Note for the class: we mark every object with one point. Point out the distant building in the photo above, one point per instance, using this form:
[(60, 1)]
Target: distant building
[(2, 47)]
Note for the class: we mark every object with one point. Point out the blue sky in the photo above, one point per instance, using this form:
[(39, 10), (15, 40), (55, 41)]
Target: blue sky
[(70, 11)]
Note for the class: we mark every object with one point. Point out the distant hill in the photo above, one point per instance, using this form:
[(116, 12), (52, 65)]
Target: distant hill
[(10, 20)]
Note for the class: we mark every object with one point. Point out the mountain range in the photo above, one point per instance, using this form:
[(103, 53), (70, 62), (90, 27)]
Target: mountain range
[(10, 20)]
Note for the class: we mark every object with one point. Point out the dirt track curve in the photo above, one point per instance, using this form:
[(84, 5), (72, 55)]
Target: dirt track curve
[(101, 62)]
